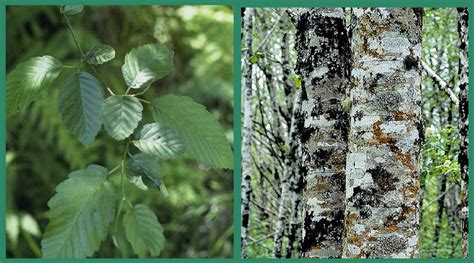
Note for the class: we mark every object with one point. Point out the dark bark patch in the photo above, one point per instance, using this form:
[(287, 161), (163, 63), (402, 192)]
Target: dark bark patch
[(306, 133), (321, 157), (421, 133), (358, 115), (321, 230), (384, 180), (410, 62), (365, 213), (372, 83), (364, 197)]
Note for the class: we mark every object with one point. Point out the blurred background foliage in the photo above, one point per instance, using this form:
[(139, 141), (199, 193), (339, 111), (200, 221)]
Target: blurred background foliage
[(196, 210), (440, 174)]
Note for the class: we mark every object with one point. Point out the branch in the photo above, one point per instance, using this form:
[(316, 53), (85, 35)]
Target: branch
[(264, 40), (436, 78), (260, 239)]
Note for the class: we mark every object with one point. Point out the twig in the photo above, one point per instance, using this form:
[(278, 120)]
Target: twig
[(264, 40), (436, 78), (260, 239)]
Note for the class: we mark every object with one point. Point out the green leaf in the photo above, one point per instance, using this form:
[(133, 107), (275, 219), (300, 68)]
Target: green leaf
[(29, 225), (144, 168), (80, 214), (80, 106), (254, 59), (26, 82), (201, 132), (12, 228), (71, 9), (143, 231), (99, 54), (146, 64), (297, 81), (121, 115), (160, 141), (138, 182)]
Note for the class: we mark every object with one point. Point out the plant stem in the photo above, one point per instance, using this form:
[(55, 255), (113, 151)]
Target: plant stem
[(145, 101), (114, 169), (122, 186), (65, 66), (74, 36), (143, 92), (82, 54)]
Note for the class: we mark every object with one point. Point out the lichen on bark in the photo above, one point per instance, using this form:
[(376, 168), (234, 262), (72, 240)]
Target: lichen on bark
[(323, 55), (382, 167), (247, 131), (464, 123)]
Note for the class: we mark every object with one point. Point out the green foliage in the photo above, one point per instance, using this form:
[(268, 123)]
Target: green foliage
[(121, 115), (144, 171), (71, 9), (143, 231), (201, 133), (203, 72), (99, 54), (80, 214), (26, 82), (80, 105), (160, 141), (146, 64)]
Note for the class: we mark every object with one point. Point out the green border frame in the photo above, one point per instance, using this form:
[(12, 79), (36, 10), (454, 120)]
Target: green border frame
[(237, 5)]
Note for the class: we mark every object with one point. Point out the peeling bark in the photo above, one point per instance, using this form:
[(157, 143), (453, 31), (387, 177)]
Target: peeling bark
[(323, 52), (247, 131), (464, 123), (382, 169)]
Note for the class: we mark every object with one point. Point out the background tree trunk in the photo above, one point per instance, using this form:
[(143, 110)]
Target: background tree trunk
[(382, 183), (464, 123), (323, 53), (247, 130)]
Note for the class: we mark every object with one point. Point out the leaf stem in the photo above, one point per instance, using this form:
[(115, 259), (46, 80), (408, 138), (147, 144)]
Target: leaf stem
[(143, 92), (82, 55), (65, 66), (114, 169), (74, 36), (122, 186), (145, 101)]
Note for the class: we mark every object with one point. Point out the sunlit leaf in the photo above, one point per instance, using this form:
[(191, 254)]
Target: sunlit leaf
[(160, 141), (99, 54), (29, 225), (26, 82), (121, 115), (146, 64)]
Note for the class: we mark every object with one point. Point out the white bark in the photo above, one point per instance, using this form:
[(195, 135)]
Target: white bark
[(323, 60), (382, 168), (247, 131), (464, 124), (288, 172)]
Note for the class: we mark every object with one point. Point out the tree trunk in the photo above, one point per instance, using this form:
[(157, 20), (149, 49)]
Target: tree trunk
[(289, 170), (247, 130), (463, 123), (382, 170), (323, 55)]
